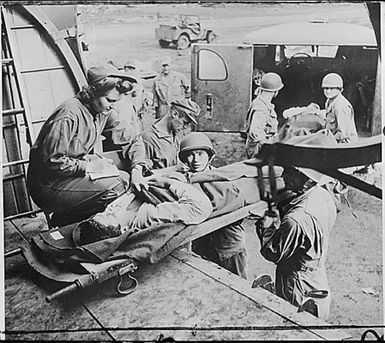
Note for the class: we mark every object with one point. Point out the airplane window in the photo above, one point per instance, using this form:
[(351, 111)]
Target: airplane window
[(211, 66)]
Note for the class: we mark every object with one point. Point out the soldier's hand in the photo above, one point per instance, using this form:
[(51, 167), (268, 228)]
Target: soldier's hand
[(182, 168), (270, 219), (138, 182), (259, 227), (159, 181), (265, 226)]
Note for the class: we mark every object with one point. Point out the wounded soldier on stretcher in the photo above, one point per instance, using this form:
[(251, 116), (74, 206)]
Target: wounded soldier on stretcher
[(174, 198), (177, 196), (149, 225), (189, 206)]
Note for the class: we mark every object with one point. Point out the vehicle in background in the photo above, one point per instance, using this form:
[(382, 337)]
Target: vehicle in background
[(187, 30), (224, 78)]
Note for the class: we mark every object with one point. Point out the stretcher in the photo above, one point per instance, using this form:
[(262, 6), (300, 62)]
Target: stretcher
[(46, 256), (122, 269)]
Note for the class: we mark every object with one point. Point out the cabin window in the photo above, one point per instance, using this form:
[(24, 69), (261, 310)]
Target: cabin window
[(284, 53), (211, 66)]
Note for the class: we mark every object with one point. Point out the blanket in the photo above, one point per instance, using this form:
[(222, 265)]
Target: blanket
[(228, 189)]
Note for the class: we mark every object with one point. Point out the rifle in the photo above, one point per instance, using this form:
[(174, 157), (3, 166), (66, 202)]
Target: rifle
[(97, 273), (103, 272)]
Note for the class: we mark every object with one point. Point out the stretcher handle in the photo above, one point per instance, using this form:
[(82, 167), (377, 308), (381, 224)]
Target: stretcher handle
[(13, 252), (64, 291)]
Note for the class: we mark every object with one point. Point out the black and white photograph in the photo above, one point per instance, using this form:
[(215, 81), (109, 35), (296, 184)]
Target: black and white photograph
[(192, 171)]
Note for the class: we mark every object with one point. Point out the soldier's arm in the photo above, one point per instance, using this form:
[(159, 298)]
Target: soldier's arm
[(344, 120), (186, 86), (257, 126), (192, 207), (120, 133), (155, 96), (54, 150), (279, 245)]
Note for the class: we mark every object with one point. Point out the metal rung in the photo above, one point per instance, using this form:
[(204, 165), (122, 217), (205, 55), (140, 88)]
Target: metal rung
[(19, 215), (21, 27), (25, 71), (15, 125), (15, 163), (39, 121), (21, 124), (8, 126), (6, 61), (13, 111), (13, 177)]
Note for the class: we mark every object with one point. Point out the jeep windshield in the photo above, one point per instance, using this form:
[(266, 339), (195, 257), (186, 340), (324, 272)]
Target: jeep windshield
[(288, 51)]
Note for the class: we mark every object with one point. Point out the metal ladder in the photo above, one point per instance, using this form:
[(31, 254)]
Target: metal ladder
[(16, 118)]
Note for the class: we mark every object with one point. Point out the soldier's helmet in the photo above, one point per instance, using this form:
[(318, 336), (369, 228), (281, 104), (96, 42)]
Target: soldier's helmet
[(190, 108), (195, 141), (271, 82), (332, 80)]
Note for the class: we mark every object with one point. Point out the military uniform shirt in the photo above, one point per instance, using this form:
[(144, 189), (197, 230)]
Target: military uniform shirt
[(261, 124), (340, 119), (169, 87), (161, 148), (299, 247), (70, 133)]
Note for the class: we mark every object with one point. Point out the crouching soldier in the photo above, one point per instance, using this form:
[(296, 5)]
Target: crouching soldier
[(227, 246), (296, 239), (162, 139)]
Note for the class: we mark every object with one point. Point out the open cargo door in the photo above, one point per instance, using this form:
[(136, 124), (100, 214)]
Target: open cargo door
[(39, 71), (66, 20), (221, 77)]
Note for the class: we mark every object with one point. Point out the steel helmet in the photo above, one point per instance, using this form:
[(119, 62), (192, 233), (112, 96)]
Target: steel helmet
[(195, 141), (332, 80), (271, 82)]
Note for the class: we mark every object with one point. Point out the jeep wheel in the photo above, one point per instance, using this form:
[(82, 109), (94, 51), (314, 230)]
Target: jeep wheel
[(183, 42), (211, 37), (164, 43)]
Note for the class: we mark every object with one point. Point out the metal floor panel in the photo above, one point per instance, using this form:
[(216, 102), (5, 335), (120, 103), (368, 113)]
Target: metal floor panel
[(183, 297)]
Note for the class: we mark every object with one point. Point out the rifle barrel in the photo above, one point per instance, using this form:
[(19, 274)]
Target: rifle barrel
[(64, 291)]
